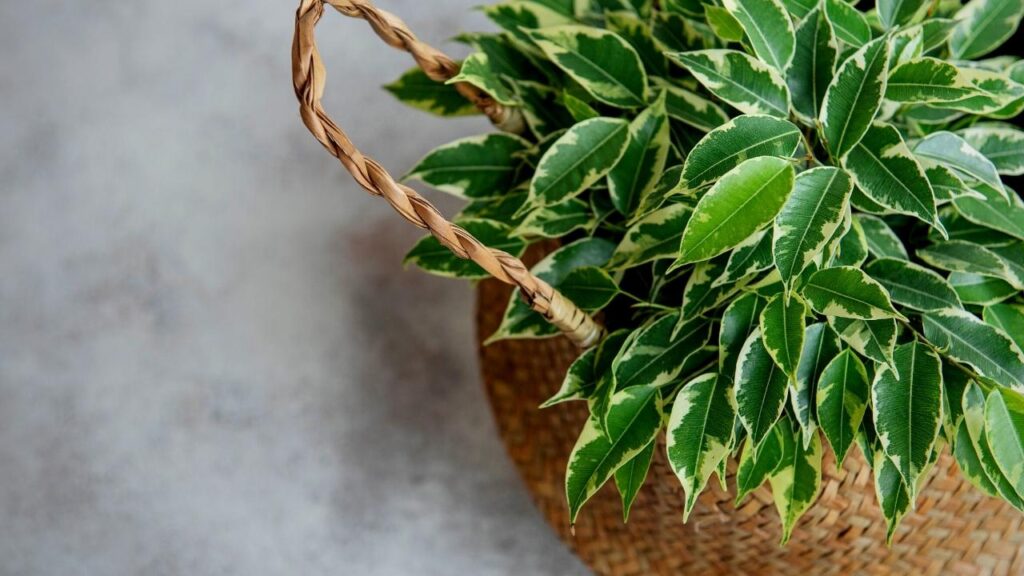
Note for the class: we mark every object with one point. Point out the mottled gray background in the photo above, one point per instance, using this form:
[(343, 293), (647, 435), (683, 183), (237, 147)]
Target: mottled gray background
[(211, 361)]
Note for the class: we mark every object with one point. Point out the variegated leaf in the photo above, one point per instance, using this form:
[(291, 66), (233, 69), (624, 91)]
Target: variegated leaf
[(809, 219), (894, 13), (752, 256), (894, 498), (980, 290), (477, 70), (1004, 430), (739, 320), (653, 237), (692, 109), (875, 339), (850, 25), (848, 292), (965, 338), (842, 400), (953, 151), (726, 147), (580, 379), (1002, 144), (1010, 319), (578, 159), (992, 211), (518, 17), (983, 25), (703, 291), (932, 81), (813, 65), (474, 167), (963, 256), (912, 285), (783, 322), (797, 479), (821, 345), (656, 356), (431, 256), (758, 461), (760, 388), (743, 82), (882, 241), (969, 462), (557, 220), (631, 477), (974, 402), (854, 95), (768, 28), (418, 90), (636, 173)]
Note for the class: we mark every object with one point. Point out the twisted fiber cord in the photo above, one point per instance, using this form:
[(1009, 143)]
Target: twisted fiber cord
[(309, 78)]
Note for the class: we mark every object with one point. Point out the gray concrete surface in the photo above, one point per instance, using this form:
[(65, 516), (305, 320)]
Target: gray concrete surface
[(211, 361)]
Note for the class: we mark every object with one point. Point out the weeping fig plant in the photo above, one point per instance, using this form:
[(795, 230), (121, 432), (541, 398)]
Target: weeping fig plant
[(795, 217)]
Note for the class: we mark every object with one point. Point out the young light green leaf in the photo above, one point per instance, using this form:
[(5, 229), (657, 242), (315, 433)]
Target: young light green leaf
[(1004, 430), (474, 167), (738, 321), (782, 324), (589, 287), (760, 388), (854, 95), (743, 201), (1002, 144), (1010, 319), (983, 25), (850, 25), (893, 496), (875, 339), (797, 479), (886, 171), (842, 400), (699, 433), (908, 409), (813, 65), (882, 241), (768, 28), (578, 159), (744, 137), (912, 285), (636, 173), (895, 13), (965, 338), (604, 64), (634, 419), (657, 356), (848, 292), (810, 218), (821, 345), (418, 90), (743, 82), (757, 462), (653, 237), (429, 255)]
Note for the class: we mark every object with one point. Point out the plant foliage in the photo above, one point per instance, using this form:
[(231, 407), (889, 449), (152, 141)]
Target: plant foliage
[(790, 214)]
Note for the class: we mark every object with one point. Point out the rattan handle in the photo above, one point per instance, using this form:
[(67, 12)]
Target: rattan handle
[(309, 78)]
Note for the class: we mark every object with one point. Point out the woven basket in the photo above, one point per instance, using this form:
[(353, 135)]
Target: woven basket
[(955, 529)]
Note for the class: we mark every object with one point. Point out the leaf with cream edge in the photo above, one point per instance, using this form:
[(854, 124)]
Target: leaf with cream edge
[(768, 28), (882, 241), (752, 256), (738, 321), (813, 65), (874, 339), (727, 146), (416, 89), (641, 165), (691, 108), (431, 256), (966, 339), (630, 478), (699, 433), (723, 24), (992, 211), (477, 71), (634, 420), (653, 237), (980, 290), (842, 400), (743, 201), (884, 168), (891, 491), (821, 345), (797, 479), (747, 84), (809, 219), (589, 287), (894, 13), (974, 403), (850, 25), (604, 64), (1004, 430), (907, 409), (970, 90), (968, 257), (966, 162), (783, 323), (474, 167), (760, 388), (557, 220), (578, 159), (854, 97), (983, 25), (758, 461), (848, 292), (1002, 144), (969, 462), (1010, 319), (656, 355), (580, 379), (913, 286)]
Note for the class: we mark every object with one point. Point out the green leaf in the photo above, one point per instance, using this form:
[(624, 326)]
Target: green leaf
[(738, 321), (908, 409), (893, 496), (545, 114), (782, 324), (932, 81), (966, 339), (848, 292), (631, 477), (758, 461), (800, 8), (599, 400), (429, 255), (974, 421), (821, 345), (980, 290), (1002, 144), (644, 160), (518, 17), (953, 151), (692, 109), (886, 171), (637, 32), (875, 339), (653, 237), (969, 462), (477, 70), (983, 25), (557, 220), (1010, 319), (474, 167), (589, 287), (741, 81), (760, 388), (992, 212), (854, 95), (580, 380), (797, 479), (699, 433), (703, 291), (658, 353), (634, 420), (842, 400), (752, 256), (882, 241), (961, 256), (743, 201), (810, 218), (743, 138), (519, 321), (1004, 430), (723, 24), (604, 64), (416, 89), (851, 27), (768, 28), (895, 13), (813, 65), (578, 159), (852, 247), (913, 286)]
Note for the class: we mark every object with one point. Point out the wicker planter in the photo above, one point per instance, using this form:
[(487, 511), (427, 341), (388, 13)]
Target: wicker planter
[(955, 529)]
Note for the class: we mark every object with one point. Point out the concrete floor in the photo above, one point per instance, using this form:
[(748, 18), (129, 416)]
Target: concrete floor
[(211, 361)]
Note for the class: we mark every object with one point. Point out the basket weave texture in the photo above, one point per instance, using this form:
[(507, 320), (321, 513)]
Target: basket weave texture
[(954, 530)]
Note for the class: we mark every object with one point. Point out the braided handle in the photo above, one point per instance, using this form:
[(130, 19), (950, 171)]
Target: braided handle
[(309, 78)]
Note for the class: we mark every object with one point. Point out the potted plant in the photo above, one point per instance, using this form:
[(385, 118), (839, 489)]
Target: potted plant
[(779, 229)]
